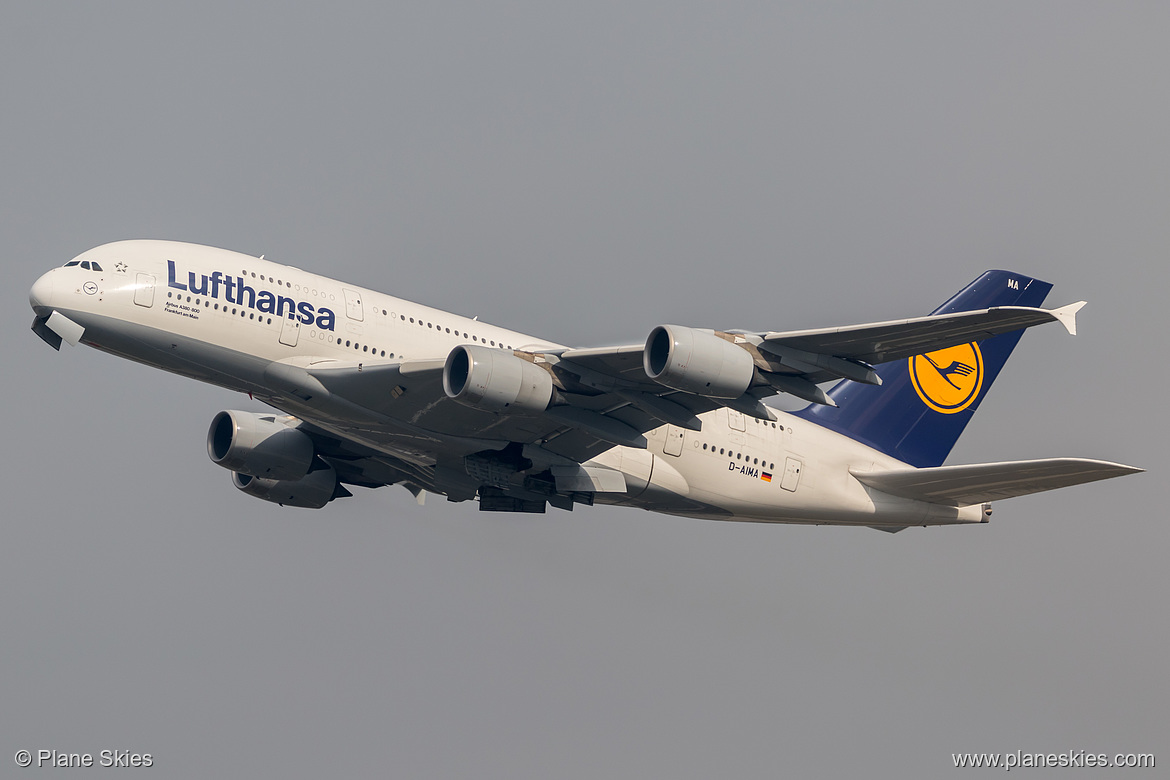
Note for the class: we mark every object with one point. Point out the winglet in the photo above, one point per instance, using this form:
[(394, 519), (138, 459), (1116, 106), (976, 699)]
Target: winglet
[(1067, 316)]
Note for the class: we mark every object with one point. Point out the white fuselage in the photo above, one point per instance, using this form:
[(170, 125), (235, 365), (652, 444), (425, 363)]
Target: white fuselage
[(223, 317)]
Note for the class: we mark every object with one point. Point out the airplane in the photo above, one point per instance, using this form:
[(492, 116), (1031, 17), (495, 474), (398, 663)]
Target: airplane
[(372, 390)]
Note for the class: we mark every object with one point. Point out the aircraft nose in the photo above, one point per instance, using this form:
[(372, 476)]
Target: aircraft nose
[(41, 294)]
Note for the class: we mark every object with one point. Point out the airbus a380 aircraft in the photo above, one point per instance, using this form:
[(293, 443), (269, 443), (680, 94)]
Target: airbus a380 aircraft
[(376, 390)]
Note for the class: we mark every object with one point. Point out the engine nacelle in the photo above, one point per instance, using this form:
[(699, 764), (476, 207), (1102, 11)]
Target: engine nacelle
[(492, 379), (312, 491), (259, 445), (697, 361)]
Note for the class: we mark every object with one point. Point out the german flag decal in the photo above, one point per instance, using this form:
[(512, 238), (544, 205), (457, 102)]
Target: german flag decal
[(765, 476)]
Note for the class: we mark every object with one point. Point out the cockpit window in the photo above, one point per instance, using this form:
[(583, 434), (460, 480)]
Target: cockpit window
[(72, 263), (85, 264), (96, 267)]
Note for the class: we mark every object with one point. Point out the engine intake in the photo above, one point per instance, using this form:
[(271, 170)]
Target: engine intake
[(697, 361), (259, 445), (485, 378), (312, 491)]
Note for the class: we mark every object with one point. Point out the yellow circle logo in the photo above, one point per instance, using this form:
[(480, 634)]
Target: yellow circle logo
[(948, 380)]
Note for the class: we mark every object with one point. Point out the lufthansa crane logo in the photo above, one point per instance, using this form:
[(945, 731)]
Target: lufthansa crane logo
[(948, 380)]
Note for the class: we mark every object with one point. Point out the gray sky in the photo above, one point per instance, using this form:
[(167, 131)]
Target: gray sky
[(584, 175)]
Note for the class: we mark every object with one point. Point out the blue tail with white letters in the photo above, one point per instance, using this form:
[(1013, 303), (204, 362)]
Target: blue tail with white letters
[(924, 403)]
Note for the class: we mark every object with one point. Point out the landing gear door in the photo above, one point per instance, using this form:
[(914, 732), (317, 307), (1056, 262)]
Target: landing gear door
[(791, 476), (290, 331), (674, 441), (144, 290)]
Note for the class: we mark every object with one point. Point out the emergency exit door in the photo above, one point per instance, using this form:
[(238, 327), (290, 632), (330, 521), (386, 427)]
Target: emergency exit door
[(144, 290), (791, 476), (290, 331), (674, 441)]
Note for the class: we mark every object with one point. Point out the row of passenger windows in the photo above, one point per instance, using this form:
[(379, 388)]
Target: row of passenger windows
[(269, 279), (86, 264), (739, 456), (242, 311), (282, 283), (440, 328)]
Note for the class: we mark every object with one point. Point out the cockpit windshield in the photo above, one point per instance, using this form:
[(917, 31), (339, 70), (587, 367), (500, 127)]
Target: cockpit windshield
[(86, 264)]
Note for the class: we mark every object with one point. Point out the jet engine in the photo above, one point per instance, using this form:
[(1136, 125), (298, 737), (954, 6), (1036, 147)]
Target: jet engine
[(492, 379), (312, 491), (260, 445), (697, 361)]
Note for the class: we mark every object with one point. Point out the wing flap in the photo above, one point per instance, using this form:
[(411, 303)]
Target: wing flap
[(984, 482)]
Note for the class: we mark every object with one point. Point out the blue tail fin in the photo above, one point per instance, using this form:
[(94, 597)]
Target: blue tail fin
[(924, 403)]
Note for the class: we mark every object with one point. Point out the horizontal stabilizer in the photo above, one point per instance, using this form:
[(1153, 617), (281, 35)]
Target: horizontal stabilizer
[(983, 482)]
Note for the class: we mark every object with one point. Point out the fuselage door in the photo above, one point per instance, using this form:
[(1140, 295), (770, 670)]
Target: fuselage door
[(735, 420), (353, 304), (674, 441), (290, 331), (791, 476), (144, 290)]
